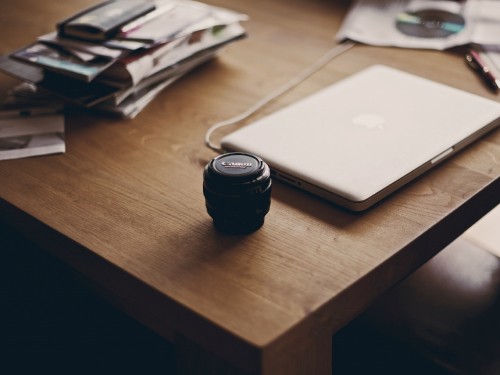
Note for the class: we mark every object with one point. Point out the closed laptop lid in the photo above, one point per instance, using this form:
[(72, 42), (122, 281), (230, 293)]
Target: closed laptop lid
[(360, 139)]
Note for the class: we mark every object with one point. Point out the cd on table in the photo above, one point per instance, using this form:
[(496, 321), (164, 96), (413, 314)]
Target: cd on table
[(430, 23)]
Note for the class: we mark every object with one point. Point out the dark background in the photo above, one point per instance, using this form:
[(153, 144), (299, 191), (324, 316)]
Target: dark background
[(52, 322)]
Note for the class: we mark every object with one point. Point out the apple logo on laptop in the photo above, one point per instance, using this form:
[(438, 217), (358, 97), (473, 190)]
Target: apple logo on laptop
[(369, 121)]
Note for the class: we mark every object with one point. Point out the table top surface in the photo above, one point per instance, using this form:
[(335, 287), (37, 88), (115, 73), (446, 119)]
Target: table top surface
[(125, 201)]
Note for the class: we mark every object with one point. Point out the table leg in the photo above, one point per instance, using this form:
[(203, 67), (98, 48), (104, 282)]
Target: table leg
[(313, 357), (192, 359), (309, 356)]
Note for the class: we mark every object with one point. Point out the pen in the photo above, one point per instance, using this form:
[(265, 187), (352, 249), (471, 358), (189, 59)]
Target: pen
[(475, 61)]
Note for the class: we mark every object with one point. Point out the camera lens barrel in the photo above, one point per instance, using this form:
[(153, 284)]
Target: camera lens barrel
[(237, 190)]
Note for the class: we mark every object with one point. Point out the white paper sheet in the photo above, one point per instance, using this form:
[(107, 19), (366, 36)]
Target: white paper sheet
[(30, 135), (380, 22)]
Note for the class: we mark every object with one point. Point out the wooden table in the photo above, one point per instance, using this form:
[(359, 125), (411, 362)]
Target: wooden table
[(124, 204)]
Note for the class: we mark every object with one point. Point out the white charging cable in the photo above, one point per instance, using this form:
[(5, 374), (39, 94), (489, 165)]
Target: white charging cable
[(310, 70)]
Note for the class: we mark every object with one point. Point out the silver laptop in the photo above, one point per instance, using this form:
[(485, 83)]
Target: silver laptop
[(362, 138)]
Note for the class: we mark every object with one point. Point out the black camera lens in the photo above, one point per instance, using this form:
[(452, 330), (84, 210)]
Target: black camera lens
[(237, 189)]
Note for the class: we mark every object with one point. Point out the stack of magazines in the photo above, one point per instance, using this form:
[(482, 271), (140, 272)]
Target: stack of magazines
[(119, 54)]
